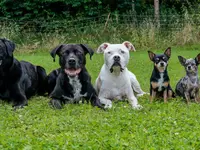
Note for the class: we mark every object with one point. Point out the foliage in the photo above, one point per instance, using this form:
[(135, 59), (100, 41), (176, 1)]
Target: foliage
[(44, 9), (62, 9), (174, 125)]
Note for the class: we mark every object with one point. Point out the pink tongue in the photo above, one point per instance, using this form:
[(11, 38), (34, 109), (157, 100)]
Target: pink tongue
[(72, 72)]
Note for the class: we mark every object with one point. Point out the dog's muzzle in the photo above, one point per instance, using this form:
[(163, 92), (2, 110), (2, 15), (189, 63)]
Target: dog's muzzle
[(116, 64), (189, 68), (72, 71)]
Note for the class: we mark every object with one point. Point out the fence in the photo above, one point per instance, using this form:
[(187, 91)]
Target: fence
[(167, 22)]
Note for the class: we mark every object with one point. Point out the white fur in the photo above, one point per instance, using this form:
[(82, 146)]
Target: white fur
[(160, 82), (117, 85), (76, 85)]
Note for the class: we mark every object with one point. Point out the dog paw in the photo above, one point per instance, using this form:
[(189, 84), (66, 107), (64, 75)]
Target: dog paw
[(19, 106), (108, 106), (56, 103), (138, 107)]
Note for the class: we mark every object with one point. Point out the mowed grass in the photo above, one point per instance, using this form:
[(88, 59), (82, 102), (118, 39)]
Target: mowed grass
[(174, 125)]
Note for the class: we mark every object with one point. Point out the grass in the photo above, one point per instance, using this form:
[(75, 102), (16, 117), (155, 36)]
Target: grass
[(174, 125)]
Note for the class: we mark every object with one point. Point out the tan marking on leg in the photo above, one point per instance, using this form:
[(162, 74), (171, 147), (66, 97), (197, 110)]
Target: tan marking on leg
[(154, 85), (170, 94), (165, 95), (152, 96), (166, 84)]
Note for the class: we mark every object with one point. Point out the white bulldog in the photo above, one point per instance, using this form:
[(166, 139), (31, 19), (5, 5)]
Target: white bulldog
[(115, 81)]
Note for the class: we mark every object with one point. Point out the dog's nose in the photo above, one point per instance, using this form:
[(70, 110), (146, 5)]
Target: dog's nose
[(189, 67), (71, 61), (116, 58), (162, 64)]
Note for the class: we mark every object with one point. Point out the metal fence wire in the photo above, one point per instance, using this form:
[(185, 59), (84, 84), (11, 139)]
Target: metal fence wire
[(166, 22)]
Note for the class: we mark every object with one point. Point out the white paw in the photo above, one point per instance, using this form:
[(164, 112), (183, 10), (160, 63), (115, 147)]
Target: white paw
[(108, 104), (138, 107)]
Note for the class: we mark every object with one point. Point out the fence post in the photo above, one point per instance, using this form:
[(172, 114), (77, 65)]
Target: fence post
[(156, 13), (133, 13)]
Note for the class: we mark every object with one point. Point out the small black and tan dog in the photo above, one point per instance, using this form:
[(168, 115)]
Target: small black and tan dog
[(71, 82), (19, 80), (159, 81), (189, 86)]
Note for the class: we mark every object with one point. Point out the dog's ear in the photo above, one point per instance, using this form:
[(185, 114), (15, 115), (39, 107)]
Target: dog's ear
[(10, 46), (87, 50), (182, 60), (197, 59), (151, 55), (168, 52), (56, 51), (102, 47), (129, 45)]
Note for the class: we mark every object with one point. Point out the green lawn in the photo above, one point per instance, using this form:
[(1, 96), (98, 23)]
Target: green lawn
[(174, 125)]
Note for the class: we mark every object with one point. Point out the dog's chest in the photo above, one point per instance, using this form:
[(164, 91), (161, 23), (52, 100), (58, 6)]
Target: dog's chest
[(77, 86), (190, 83), (161, 82), (115, 87)]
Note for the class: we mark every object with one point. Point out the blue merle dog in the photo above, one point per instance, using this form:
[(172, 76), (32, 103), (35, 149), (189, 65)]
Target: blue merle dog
[(188, 87)]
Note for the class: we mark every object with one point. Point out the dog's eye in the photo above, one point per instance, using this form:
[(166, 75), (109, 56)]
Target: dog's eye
[(65, 53), (78, 52), (109, 52), (122, 52)]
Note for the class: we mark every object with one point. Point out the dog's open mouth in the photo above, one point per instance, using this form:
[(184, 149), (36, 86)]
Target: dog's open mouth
[(161, 69), (116, 66), (72, 71)]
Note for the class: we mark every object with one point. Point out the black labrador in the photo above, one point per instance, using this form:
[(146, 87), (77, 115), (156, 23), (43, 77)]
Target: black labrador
[(71, 82), (19, 80)]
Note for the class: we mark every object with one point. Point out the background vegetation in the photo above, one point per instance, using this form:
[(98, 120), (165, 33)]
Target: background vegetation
[(43, 24)]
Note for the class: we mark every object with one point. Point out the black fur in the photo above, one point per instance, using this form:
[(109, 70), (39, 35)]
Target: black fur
[(19, 80), (58, 80), (159, 74), (155, 78)]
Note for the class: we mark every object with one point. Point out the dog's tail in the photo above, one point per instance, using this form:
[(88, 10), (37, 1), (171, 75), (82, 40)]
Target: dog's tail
[(42, 77)]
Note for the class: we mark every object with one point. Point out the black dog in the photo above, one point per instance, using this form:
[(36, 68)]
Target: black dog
[(18, 80), (71, 82), (159, 81)]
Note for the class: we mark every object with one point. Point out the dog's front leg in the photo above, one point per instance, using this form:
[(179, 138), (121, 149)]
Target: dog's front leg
[(106, 102), (187, 96), (165, 95), (152, 95), (95, 101), (92, 96), (19, 97), (56, 103)]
